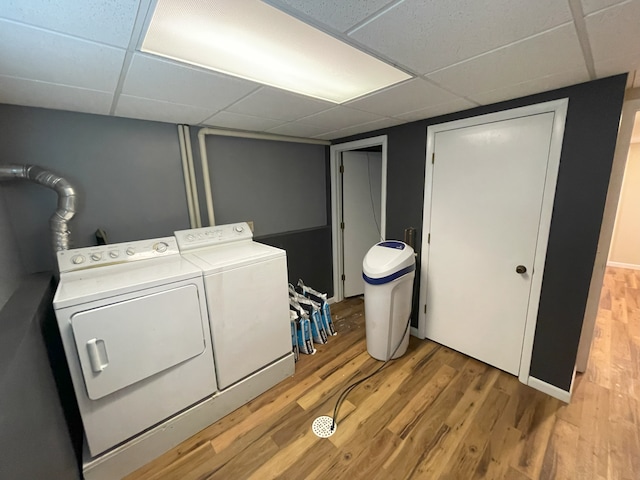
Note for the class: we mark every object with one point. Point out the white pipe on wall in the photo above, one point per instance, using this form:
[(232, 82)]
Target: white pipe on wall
[(260, 136), (205, 177), (192, 173), (234, 133), (187, 179)]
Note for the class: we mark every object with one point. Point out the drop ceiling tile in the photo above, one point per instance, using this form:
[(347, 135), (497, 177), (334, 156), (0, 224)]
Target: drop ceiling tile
[(107, 22), (457, 105), (365, 127), (614, 35), (555, 51), (406, 97), (31, 93), (339, 117), (241, 122), (338, 15), (147, 109), (330, 135), (428, 35), (590, 6), (538, 85), (159, 79), (297, 129), (36, 54), (616, 65), (279, 105)]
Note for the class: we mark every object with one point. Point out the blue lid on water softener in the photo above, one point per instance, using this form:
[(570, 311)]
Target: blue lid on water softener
[(386, 261), (393, 244)]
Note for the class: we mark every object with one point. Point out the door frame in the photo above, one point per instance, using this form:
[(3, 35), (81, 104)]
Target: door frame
[(559, 108), (336, 202), (630, 108)]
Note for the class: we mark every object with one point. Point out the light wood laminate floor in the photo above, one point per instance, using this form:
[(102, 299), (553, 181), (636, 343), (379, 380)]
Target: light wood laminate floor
[(433, 414)]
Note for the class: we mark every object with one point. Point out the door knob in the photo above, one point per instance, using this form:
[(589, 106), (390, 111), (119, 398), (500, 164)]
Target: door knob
[(521, 269)]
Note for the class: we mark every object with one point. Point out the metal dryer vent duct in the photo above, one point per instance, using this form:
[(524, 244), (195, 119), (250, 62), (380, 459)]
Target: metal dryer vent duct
[(66, 198)]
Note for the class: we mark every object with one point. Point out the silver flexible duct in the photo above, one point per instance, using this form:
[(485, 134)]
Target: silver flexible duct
[(66, 198)]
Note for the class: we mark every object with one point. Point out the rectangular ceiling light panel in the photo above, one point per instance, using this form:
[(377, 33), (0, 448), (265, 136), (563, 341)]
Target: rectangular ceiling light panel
[(255, 41)]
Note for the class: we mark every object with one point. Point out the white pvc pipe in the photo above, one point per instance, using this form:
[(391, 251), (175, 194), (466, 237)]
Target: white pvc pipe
[(187, 179), (233, 133), (260, 136), (192, 173), (205, 176)]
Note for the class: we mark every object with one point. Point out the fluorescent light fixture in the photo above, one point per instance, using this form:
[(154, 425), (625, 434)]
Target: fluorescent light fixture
[(255, 41)]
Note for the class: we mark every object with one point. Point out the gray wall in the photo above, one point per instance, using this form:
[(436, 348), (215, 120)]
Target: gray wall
[(280, 186), (583, 178), (309, 256), (129, 177), (34, 438), (127, 172), (11, 269)]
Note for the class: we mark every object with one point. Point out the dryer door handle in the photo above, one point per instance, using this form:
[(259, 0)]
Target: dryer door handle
[(97, 350)]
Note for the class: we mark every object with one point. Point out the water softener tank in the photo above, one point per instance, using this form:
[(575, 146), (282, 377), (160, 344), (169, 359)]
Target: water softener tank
[(388, 270)]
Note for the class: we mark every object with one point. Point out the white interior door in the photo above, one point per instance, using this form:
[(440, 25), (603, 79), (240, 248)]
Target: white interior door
[(361, 208), (486, 200)]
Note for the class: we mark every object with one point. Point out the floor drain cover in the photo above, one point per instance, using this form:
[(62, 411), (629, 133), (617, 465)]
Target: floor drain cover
[(322, 426)]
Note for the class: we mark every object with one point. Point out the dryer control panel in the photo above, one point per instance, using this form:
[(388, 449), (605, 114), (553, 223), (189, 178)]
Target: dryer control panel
[(209, 236), (116, 253)]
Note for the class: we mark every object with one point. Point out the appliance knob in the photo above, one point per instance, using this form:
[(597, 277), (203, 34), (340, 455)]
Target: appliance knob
[(161, 247), (130, 251), (78, 259), (239, 228), (191, 237), (114, 254), (521, 269), (96, 256)]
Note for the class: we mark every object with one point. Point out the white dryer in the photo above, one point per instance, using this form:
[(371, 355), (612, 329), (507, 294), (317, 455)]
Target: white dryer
[(133, 321), (247, 298)]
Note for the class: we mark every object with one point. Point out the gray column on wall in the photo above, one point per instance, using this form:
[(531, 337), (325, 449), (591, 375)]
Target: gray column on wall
[(583, 178), (127, 172), (11, 269)]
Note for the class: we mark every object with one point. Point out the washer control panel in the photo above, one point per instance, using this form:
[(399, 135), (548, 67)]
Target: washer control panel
[(208, 236), (102, 255)]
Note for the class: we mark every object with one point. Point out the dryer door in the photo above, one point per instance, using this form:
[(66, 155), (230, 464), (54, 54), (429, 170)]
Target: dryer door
[(125, 342)]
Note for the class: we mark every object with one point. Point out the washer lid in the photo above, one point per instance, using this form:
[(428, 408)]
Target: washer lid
[(386, 258), (232, 255)]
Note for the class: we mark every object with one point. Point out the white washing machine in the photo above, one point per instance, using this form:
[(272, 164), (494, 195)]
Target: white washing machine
[(133, 322), (247, 298)]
